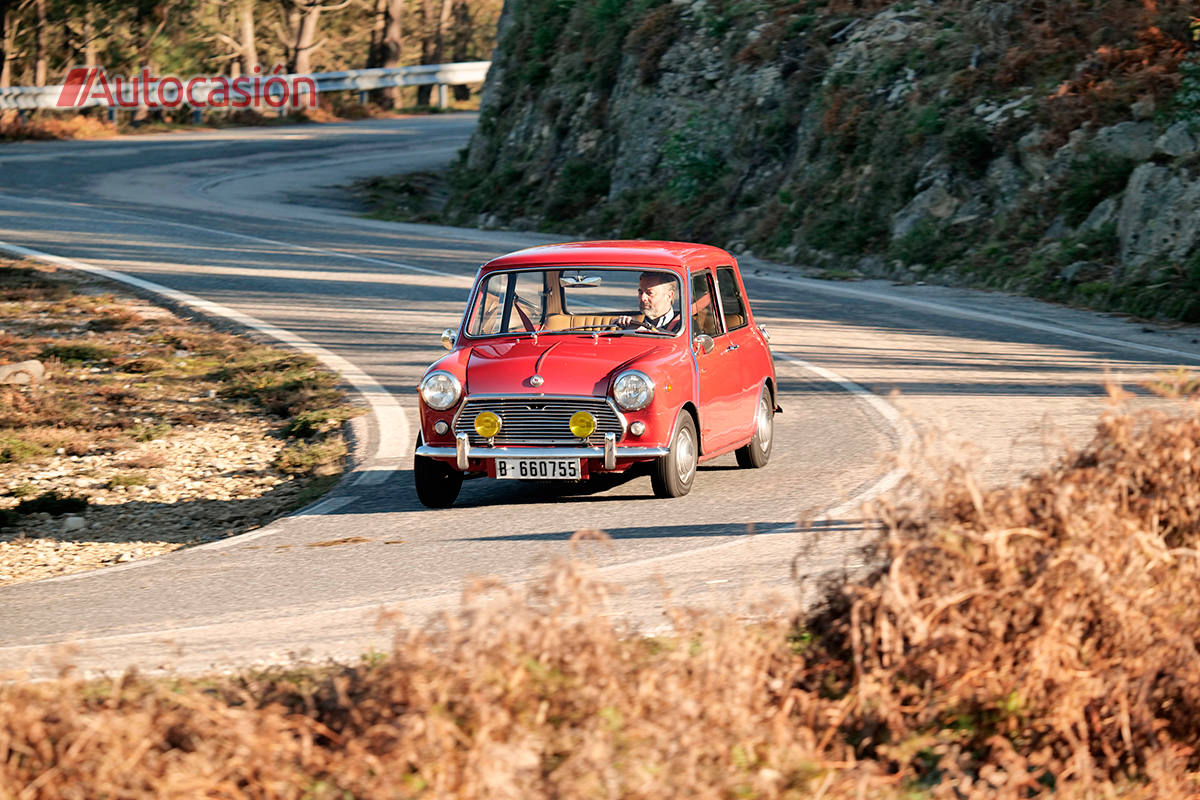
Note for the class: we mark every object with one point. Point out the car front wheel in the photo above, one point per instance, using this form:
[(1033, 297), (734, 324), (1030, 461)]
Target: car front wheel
[(673, 474), (437, 483), (758, 451)]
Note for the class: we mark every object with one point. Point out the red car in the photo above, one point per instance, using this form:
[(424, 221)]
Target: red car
[(591, 357)]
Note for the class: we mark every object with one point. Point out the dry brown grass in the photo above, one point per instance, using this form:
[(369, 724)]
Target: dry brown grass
[(1029, 641), (50, 126)]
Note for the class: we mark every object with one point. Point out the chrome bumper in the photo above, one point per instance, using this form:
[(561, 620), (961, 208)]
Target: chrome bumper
[(462, 452)]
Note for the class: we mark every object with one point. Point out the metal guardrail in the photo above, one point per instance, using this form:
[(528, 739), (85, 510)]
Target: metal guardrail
[(356, 80)]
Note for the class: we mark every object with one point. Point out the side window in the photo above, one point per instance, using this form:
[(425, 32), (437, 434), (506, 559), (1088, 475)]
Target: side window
[(485, 318), (731, 298), (704, 306)]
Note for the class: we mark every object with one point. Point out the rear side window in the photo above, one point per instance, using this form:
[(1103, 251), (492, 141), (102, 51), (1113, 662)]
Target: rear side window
[(731, 298)]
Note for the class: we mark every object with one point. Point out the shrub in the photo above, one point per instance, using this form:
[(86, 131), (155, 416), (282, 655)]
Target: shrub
[(1091, 180), (52, 503), (116, 319), (308, 424), (969, 147), (579, 187), (14, 450), (146, 432), (131, 479), (323, 457), (24, 283), (144, 365), (77, 352), (924, 244), (651, 39)]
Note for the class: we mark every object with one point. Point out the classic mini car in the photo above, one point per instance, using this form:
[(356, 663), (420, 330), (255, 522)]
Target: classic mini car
[(592, 357)]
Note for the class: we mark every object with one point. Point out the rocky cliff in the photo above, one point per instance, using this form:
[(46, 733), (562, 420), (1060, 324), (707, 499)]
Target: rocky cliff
[(1045, 146)]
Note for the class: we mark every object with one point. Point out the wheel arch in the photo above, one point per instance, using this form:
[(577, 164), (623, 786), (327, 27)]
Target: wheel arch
[(770, 382), (690, 407)]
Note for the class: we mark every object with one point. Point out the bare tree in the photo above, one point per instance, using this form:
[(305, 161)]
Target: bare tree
[(435, 18), (6, 43), (39, 43), (243, 47), (81, 41), (299, 39), (249, 46), (10, 19)]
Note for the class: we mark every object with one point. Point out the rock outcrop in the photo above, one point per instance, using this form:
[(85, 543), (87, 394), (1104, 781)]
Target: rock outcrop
[(971, 139)]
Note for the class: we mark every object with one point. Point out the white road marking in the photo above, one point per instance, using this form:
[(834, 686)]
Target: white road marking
[(947, 310), (468, 280)]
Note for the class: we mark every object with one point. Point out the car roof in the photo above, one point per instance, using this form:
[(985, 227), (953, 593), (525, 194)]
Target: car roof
[(678, 255)]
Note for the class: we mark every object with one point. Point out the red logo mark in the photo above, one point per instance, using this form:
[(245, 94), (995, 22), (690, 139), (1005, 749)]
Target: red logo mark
[(76, 87)]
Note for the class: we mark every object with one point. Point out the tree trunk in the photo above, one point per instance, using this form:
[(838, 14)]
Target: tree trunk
[(6, 44), (39, 45), (249, 54), (306, 37), (89, 36), (461, 34), (443, 25), (390, 49), (378, 25), (429, 35)]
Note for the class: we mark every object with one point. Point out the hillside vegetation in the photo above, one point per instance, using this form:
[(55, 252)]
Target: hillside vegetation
[(1043, 146), (1031, 641)]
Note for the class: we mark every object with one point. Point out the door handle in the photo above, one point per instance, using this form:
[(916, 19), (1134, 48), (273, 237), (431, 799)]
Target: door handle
[(731, 347)]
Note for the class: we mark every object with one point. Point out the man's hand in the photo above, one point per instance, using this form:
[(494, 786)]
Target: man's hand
[(626, 321)]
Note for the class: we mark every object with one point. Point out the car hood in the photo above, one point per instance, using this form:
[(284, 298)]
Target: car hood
[(576, 365)]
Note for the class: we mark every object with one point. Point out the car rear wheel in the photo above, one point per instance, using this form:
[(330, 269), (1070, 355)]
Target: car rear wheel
[(437, 483), (673, 474), (758, 451)]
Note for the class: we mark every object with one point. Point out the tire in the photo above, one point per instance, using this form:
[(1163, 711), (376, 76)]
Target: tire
[(437, 483), (672, 475), (757, 452)]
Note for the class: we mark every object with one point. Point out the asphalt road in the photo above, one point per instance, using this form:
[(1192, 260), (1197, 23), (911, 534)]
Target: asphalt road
[(247, 220)]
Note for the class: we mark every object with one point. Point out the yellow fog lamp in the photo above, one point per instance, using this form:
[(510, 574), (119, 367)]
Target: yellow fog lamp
[(583, 424), (487, 424)]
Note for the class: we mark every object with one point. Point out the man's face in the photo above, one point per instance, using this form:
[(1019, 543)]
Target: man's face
[(655, 296)]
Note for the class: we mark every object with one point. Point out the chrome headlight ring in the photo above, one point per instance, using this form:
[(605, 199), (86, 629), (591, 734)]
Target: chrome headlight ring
[(633, 390), (440, 390)]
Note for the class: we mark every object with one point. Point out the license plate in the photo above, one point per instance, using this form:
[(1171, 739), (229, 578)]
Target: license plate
[(539, 469)]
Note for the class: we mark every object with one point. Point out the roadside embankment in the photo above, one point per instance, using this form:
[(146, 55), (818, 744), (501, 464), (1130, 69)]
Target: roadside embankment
[(1031, 641), (1048, 148), (135, 432)]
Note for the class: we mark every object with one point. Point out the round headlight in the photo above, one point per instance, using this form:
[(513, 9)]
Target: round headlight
[(487, 424), (633, 390), (583, 424), (440, 390)]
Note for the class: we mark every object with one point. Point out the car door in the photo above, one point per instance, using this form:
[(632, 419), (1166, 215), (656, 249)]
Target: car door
[(718, 384), (742, 345)]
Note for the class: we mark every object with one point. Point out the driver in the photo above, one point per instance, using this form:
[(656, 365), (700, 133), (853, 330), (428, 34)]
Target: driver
[(656, 299)]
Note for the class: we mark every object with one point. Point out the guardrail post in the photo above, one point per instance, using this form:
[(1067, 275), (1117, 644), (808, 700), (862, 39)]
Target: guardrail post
[(112, 114), (362, 98), (197, 116), (441, 92)]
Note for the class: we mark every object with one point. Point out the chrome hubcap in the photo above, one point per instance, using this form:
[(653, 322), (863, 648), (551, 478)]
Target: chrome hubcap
[(685, 455), (765, 424)]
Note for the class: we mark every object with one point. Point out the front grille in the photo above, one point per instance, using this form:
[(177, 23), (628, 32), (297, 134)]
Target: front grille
[(538, 420)]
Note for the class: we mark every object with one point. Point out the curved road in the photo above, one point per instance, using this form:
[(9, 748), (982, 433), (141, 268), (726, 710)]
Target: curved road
[(244, 223)]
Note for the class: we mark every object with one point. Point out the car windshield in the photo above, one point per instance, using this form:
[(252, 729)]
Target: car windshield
[(577, 300)]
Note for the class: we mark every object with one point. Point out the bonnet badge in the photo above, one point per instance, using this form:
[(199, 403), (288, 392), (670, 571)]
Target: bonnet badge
[(536, 380)]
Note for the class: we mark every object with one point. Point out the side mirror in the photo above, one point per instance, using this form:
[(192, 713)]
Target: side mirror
[(448, 337), (703, 341)]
